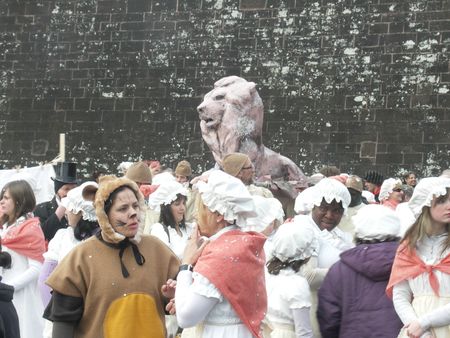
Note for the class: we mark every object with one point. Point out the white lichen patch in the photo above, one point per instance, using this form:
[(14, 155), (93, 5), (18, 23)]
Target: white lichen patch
[(350, 51), (409, 44)]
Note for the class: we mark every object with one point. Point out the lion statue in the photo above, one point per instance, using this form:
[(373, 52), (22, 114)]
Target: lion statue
[(231, 120)]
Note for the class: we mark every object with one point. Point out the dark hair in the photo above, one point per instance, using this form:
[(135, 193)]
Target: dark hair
[(406, 175), (330, 170), (166, 218), (274, 265), (112, 196), (23, 197), (359, 241), (5, 259), (85, 229)]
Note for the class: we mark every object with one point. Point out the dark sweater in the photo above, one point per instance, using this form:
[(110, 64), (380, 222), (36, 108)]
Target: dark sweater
[(9, 322), (352, 298)]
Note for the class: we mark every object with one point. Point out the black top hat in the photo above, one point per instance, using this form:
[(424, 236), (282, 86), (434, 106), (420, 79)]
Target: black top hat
[(374, 177), (66, 172)]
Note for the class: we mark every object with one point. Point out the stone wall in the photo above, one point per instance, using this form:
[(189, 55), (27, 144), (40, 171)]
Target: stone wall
[(352, 83)]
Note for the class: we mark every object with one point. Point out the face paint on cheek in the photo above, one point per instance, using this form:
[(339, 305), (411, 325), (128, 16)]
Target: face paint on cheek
[(120, 224)]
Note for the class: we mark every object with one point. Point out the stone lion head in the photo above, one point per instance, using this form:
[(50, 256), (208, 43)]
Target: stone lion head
[(230, 115)]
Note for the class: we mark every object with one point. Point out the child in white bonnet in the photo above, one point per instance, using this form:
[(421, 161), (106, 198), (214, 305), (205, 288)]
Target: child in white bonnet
[(288, 293)]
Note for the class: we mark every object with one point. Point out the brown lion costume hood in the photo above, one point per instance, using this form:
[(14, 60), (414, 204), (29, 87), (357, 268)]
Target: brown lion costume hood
[(106, 186)]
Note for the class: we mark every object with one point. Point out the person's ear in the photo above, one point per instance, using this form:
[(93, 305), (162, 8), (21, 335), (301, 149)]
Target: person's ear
[(219, 218)]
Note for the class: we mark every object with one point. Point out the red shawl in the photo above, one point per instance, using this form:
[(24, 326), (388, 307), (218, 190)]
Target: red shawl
[(26, 239), (408, 265), (234, 263)]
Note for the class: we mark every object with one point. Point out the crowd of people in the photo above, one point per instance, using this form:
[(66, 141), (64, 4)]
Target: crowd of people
[(148, 251)]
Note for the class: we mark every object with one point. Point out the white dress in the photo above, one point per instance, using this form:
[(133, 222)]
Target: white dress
[(58, 247), (222, 321), (177, 243), (27, 299), (331, 244), (424, 301), (286, 292)]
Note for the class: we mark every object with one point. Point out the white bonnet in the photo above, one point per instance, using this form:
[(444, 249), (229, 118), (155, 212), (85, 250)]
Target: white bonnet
[(388, 186), (425, 191), (292, 242), (228, 196), (74, 202), (304, 202), (165, 194), (162, 178), (330, 189), (267, 210), (375, 221)]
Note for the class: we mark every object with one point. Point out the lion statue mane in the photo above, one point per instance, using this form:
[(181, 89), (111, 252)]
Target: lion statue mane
[(231, 120)]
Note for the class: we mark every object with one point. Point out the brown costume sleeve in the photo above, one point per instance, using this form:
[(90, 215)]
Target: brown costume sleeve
[(69, 278)]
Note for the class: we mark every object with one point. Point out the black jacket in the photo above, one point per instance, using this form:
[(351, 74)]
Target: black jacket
[(49, 221), (9, 322)]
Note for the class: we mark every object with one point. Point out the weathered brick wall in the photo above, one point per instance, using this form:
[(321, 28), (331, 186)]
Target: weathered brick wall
[(353, 83)]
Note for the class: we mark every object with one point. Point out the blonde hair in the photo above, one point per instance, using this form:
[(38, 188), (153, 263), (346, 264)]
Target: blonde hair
[(418, 230), (204, 215)]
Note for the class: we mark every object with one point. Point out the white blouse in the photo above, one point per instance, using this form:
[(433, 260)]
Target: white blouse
[(285, 292), (429, 249), (176, 243), (60, 245)]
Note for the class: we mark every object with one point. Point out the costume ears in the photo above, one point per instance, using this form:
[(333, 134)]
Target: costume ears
[(88, 192)]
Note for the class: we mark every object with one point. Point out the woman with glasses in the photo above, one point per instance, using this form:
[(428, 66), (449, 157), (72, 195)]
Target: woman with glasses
[(391, 193)]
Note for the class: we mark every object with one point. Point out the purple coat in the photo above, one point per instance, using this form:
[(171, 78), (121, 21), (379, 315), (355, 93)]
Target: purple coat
[(352, 298)]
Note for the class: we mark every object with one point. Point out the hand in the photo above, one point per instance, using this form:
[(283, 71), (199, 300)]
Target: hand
[(203, 177), (194, 247), (168, 289), (170, 307), (414, 330), (60, 211)]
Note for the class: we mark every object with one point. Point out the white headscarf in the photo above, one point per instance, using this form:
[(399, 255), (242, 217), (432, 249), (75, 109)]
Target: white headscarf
[(292, 242), (267, 210), (162, 178), (74, 202), (388, 187), (228, 196), (330, 189), (304, 202), (425, 191), (165, 194), (375, 221)]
